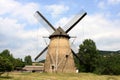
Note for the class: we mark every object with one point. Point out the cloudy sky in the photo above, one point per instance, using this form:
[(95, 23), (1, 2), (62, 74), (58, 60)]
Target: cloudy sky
[(21, 33)]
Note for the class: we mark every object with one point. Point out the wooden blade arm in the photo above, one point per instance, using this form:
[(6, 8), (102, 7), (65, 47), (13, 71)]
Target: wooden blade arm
[(77, 57), (44, 21), (74, 21), (41, 53)]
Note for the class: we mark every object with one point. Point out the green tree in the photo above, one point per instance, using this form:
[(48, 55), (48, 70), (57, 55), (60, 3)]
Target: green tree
[(109, 64), (14, 62), (5, 53), (28, 60), (5, 65), (88, 54), (19, 64)]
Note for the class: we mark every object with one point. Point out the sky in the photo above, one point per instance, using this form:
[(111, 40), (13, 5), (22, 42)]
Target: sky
[(21, 33)]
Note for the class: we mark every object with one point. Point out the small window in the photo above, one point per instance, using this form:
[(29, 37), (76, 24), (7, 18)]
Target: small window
[(53, 67), (66, 56)]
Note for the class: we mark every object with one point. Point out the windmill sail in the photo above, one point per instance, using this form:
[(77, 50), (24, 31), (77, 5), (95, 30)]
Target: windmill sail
[(80, 61), (74, 21), (44, 22), (41, 53)]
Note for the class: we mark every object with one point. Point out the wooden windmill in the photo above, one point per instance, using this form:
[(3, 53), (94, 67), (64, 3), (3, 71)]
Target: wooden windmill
[(59, 56)]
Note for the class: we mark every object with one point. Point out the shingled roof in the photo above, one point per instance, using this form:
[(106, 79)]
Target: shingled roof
[(59, 32)]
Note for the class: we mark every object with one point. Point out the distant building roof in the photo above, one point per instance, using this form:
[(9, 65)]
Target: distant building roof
[(35, 68)]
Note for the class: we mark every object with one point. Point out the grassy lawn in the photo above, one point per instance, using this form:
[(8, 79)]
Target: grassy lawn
[(58, 76)]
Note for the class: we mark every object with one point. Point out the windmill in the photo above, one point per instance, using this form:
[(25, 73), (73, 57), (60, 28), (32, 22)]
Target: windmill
[(59, 56)]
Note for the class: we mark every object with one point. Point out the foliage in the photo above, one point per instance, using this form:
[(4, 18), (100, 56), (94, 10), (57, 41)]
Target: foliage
[(109, 65), (8, 62), (88, 54), (5, 65), (100, 62), (19, 64), (28, 60), (42, 61), (5, 53)]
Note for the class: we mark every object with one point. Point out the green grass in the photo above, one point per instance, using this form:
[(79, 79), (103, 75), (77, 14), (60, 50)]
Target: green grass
[(56, 76)]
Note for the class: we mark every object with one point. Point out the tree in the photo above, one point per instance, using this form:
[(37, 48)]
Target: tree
[(5, 65), (18, 64), (88, 54), (5, 54), (109, 65), (28, 60)]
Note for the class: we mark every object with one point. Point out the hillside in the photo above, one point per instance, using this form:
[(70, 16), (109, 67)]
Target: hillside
[(109, 52)]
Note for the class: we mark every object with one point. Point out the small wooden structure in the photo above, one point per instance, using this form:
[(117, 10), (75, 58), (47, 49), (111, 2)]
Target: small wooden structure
[(31, 68)]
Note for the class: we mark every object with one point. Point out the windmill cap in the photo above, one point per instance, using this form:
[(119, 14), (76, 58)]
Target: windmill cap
[(59, 32)]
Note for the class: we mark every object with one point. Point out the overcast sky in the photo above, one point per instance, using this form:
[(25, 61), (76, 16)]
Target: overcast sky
[(21, 33)]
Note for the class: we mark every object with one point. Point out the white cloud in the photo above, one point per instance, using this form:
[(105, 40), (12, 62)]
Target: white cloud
[(62, 22), (26, 12), (113, 2), (106, 4), (10, 26), (118, 14), (101, 5), (18, 10), (7, 6), (56, 9)]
